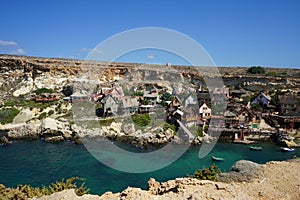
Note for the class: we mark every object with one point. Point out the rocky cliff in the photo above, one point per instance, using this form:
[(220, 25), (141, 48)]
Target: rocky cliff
[(22, 74)]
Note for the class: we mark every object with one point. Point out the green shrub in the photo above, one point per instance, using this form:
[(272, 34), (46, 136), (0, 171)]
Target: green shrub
[(210, 173), (9, 103), (98, 106), (106, 122), (7, 115), (256, 107), (256, 70), (167, 97), (42, 90), (199, 133), (139, 94), (51, 112), (27, 191), (141, 120), (42, 115), (246, 99), (169, 126), (144, 101), (27, 103), (272, 74), (283, 73), (205, 128), (197, 130)]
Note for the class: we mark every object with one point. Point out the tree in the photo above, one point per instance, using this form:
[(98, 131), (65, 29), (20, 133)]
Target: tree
[(167, 97), (256, 70), (68, 90), (210, 173)]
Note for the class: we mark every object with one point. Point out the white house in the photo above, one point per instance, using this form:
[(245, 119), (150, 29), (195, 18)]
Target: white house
[(204, 111)]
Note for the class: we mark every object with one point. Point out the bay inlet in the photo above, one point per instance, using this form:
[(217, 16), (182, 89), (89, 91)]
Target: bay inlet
[(38, 163)]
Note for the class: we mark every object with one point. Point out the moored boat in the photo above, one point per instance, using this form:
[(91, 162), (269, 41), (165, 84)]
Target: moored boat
[(217, 159), (286, 149), (254, 148)]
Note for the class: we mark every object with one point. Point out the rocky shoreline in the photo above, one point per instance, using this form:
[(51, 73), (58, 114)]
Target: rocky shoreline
[(246, 180), (58, 130)]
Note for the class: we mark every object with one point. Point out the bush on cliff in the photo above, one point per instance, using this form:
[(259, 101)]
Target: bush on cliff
[(141, 120), (210, 173), (256, 70), (169, 126), (7, 115), (42, 90), (27, 191), (43, 115)]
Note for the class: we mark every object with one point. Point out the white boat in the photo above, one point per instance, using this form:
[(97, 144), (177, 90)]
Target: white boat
[(254, 148), (217, 159), (286, 149)]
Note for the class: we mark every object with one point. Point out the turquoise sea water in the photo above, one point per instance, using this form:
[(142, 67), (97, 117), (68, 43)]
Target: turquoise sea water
[(37, 163)]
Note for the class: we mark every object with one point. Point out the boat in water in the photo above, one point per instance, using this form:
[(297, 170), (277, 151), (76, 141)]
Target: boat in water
[(217, 159), (286, 149), (254, 148)]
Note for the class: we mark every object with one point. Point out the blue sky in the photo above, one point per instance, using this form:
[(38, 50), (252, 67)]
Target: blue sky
[(233, 32)]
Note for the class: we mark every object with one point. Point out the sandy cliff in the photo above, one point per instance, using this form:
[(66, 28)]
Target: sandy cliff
[(21, 74)]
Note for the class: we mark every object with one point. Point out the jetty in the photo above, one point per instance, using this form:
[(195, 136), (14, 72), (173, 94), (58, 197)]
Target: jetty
[(240, 139)]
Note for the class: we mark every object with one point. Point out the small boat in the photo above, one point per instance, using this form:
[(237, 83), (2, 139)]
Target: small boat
[(217, 159), (286, 149), (255, 148)]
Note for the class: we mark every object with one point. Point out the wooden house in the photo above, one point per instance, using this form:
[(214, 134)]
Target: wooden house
[(262, 99), (203, 97), (245, 115), (129, 104), (116, 93), (109, 106), (204, 111)]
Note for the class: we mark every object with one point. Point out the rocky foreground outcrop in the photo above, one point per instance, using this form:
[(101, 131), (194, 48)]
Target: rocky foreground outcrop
[(274, 180)]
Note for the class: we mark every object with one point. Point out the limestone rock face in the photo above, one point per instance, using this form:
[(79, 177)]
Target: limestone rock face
[(53, 130), (134, 194), (129, 129), (70, 195), (242, 171), (246, 166), (169, 134), (49, 123), (116, 127), (197, 140), (27, 131), (54, 139), (4, 141), (153, 186)]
